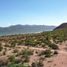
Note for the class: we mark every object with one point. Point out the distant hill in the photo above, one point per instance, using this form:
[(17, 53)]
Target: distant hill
[(62, 26), (19, 29)]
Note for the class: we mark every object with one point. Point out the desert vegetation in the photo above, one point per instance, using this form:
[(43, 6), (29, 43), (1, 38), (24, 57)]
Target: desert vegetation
[(20, 50)]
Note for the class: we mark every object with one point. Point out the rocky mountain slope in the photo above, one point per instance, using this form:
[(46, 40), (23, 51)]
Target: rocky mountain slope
[(62, 26)]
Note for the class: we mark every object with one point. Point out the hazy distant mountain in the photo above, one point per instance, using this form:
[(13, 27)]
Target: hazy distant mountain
[(62, 26), (19, 29)]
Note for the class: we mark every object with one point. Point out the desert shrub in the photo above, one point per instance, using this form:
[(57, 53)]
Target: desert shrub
[(18, 54), (11, 58), (26, 53), (4, 52), (14, 65), (37, 64), (18, 60), (15, 51), (55, 52), (46, 53), (13, 44), (54, 46), (34, 64), (25, 65), (3, 63), (30, 42), (6, 45), (1, 47), (40, 64), (47, 42), (20, 42)]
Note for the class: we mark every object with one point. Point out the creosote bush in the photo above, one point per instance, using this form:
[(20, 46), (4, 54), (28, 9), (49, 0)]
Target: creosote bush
[(37, 64), (1, 47), (46, 53), (54, 46), (55, 52)]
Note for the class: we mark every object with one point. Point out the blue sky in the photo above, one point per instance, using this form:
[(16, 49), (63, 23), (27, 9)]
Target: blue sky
[(39, 12)]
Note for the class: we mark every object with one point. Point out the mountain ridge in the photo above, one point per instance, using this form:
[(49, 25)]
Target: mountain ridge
[(20, 29), (62, 26)]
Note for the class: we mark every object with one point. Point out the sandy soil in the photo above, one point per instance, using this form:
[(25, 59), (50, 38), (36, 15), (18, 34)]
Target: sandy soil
[(59, 60)]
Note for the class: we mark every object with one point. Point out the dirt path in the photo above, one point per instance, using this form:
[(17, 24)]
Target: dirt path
[(58, 61), (42, 49)]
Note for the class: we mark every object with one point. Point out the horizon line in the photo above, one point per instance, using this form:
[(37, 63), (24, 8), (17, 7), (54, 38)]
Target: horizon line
[(28, 24)]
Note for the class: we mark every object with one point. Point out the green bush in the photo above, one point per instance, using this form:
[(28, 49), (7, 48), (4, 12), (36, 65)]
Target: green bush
[(30, 42), (40, 64), (55, 52), (14, 65), (1, 47), (46, 53), (12, 58), (37, 64), (25, 65), (13, 44), (53, 46), (26, 53)]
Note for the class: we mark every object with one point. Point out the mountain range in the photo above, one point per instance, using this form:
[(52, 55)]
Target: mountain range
[(20, 29)]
